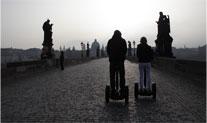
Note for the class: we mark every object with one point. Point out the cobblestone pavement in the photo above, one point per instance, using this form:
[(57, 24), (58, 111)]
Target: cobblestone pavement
[(77, 94)]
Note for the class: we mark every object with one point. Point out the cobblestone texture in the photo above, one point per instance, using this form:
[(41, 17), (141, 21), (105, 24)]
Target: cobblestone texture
[(77, 94)]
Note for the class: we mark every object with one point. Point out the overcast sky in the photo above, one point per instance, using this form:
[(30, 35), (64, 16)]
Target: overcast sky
[(78, 21)]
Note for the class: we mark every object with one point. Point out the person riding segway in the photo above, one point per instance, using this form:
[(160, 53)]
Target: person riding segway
[(116, 50), (145, 55)]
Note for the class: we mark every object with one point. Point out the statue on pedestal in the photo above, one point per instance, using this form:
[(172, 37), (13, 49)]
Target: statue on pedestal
[(164, 40), (47, 43)]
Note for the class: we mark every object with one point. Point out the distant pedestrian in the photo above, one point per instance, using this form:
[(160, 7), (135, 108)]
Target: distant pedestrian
[(145, 56), (97, 52), (129, 48), (62, 60), (88, 50)]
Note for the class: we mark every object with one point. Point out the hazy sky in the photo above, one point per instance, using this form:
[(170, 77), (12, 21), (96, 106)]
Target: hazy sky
[(84, 20)]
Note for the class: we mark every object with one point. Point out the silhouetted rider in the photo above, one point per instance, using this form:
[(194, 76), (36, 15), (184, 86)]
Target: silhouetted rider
[(145, 56), (116, 50)]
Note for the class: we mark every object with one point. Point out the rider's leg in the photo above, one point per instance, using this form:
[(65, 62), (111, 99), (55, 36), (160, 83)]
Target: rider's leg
[(148, 76), (141, 75), (122, 76), (112, 76)]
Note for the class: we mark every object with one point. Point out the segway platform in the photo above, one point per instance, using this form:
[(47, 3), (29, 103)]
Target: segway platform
[(117, 95), (138, 92)]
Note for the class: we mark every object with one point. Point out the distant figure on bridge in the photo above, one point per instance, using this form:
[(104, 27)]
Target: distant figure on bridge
[(97, 52), (62, 60), (145, 56), (129, 48), (88, 51), (116, 50)]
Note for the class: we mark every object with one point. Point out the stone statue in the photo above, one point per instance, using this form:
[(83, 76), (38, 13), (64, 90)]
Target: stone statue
[(164, 40), (95, 47), (47, 43)]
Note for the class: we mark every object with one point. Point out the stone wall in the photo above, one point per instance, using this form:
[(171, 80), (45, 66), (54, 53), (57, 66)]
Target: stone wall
[(17, 69), (179, 65), (187, 67)]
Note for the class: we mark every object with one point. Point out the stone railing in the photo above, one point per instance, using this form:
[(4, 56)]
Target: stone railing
[(13, 68), (178, 65), (16, 69)]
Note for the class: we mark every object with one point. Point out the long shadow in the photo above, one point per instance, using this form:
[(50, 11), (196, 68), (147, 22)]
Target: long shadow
[(145, 103), (147, 109), (116, 111)]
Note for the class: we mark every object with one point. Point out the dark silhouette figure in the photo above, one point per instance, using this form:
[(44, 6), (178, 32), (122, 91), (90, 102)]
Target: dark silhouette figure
[(88, 50), (82, 49), (116, 50), (144, 51), (164, 40), (62, 60), (98, 52), (129, 48), (47, 43), (145, 56)]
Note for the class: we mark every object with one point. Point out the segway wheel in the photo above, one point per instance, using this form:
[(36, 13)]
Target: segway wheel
[(154, 90), (107, 93), (136, 90), (126, 94)]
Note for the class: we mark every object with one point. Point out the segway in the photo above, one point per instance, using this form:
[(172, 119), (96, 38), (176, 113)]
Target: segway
[(139, 92), (117, 95)]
